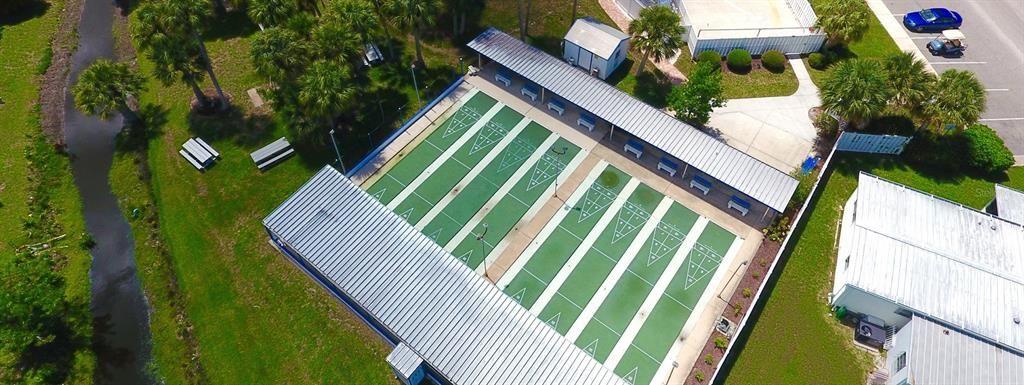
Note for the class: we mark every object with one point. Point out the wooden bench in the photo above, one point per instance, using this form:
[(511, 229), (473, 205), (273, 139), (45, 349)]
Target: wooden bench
[(668, 166), (740, 205), (503, 77), (272, 153), (198, 153), (191, 160), (700, 184), (207, 147), (530, 92), (556, 106), (634, 147), (587, 120)]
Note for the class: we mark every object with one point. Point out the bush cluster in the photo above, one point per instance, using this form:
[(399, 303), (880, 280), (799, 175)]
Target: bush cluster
[(739, 60), (985, 150), (711, 57), (817, 61), (774, 61)]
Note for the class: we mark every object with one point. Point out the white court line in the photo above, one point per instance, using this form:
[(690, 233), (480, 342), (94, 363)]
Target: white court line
[(999, 119), (656, 293), (723, 270), (588, 242), (620, 268), (476, 170), (996, 89), (441, 159), (537, 205), (957, 62), (551, 225), (498, 195)]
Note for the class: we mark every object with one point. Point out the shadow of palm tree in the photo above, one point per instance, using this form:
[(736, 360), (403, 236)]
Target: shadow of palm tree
[(28, 11)]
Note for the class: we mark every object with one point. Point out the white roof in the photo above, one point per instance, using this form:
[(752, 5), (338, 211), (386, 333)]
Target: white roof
[(404, 360), (938, 258), (462, 326), (1010, 204), (598, 38), (944, 355)]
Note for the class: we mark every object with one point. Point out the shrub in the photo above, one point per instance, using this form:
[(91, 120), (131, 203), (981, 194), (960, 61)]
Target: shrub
[(828, 127), (739, 60), (817, 61), (756, 274), (736, 309), (709, 359), (721, 343), (778, 229), (774, 61), (747, 292), (694, 100), (711, 57), (985, 150), (699, 376)]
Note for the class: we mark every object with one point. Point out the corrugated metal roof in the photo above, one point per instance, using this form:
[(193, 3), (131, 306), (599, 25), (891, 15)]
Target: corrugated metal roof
[(404, 360), (598, 38), (461, 325), (938, 357), (956, 264), (1010, 203), (719, 160)]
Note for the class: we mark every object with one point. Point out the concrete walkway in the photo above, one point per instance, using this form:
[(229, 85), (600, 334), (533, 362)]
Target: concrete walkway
[(622, 20), (895, 30), (775, 130)]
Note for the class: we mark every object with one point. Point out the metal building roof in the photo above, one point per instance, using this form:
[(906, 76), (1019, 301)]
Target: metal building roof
[(596, 37), (943, 355), (404, 360), (462, 326), (1010, 203), (936, 257), (719, 160)]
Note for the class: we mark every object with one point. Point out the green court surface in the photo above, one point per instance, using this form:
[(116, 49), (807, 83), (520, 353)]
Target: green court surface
[(552, 254), (417, 160), (620, 306), (577, 290)]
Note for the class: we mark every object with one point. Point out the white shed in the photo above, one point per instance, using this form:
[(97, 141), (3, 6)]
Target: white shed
[(595, 47)]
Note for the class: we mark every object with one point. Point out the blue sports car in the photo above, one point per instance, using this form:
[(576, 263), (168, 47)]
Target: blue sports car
[(932, 20)]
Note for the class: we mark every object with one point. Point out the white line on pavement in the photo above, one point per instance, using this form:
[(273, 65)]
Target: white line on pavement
[(551, 225), (999, 119), (957, 62), (620, 267), (472, 174), (996, 89), (584, 247), (441, 159)]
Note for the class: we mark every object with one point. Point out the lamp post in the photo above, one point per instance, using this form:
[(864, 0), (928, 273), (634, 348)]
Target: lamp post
[(563, 152), (462, 71), (674, 366), (483, 249), (412, 70), (337, 152)]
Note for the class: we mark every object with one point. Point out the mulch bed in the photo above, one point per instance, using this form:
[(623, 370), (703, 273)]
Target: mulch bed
[(51, 89)]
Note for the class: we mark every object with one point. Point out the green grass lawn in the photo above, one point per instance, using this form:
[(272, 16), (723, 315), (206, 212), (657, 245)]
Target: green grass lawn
[(758, 83), (795, 339), (876, 44)]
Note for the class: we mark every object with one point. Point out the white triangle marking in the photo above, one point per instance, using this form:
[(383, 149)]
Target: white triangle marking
[(518, 296), (596, 200), (379, 194), (591, 348), (630, 218), (553, 321), (465, 256), (631, 376), (405, 215)]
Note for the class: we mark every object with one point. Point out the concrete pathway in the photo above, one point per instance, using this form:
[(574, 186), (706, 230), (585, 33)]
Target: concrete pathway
[(775, 130), (895, 30), (622, 20)]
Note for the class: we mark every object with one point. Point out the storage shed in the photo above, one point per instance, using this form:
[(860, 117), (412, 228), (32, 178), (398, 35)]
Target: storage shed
[(595, 47)]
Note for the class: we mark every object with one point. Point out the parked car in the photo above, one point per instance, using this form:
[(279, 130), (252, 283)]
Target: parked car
[(932, 20)]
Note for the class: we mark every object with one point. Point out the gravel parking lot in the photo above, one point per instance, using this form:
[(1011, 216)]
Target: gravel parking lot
[(995, 35)]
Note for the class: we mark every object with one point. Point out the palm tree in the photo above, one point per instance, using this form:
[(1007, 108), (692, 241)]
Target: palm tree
[(324, 90), (278, 53), (909, 81), (383, 16), (271, 13), (844, 21), (356, 15), (856, 90), (191, 16), (171, 51), (958, 98), (336, 40), (415, 15), (657, 34), (105, 87)]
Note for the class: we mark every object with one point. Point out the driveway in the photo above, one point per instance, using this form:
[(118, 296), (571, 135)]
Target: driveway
[(995, 31)]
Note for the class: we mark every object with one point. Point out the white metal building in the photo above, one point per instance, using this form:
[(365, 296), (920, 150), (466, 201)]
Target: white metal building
[(1010, 204), (597, 48), (754, 25), (927, 352), (458, 327), (905, 255)]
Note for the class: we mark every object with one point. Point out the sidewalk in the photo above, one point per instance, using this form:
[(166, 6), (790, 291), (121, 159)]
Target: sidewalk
[(666, 66), (775, 130), (896, 31)]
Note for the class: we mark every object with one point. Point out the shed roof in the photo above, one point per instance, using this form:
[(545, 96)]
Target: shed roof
[(1010, 203), (404, 360), (461, 325), (682, 141), (943, 355), (939, 258), (596, 37)]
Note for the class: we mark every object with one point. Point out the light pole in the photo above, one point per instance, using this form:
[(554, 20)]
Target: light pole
[(461, 70), (483, 249), (563, 152), (674, 366), (412, 69), (337, 152)]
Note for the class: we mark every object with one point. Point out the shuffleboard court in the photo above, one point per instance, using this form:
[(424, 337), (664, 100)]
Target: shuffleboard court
[(652, 344), (546, 260), (604, 330), (415, 161)]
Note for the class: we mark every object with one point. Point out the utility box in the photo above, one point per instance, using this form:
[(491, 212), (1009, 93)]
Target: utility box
[(407, 364)]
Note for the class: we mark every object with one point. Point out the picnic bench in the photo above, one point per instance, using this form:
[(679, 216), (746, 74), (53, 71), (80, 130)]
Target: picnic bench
[(556, 106), (634, 147), (530, 91), (503, 77), (272, 153), (738, 204), (587, 120), (701, 184), (197, 152), (668, 166)]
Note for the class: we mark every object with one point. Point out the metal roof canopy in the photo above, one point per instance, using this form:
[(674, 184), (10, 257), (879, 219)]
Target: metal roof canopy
[(719, 160), (1010, 204), (462, 326), (941, 355), (404, 360), (938, 258), (595, 37)]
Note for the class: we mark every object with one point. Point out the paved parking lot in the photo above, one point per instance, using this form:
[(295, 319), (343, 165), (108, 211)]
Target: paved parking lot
[(995, 31)]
